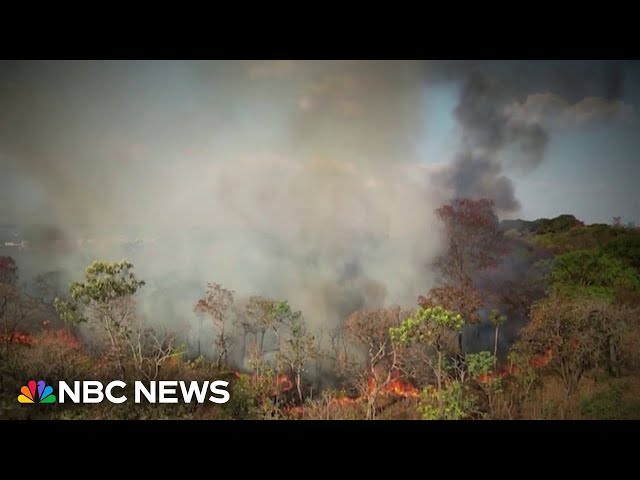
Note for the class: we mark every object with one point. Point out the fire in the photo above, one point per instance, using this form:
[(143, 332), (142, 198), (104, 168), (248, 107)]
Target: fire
[(59, 337), (297, 411), (17, 338), (487, 377), (510, 370), (275, 385), (538, 361), (284, 382), (395, 387), (542, 360)]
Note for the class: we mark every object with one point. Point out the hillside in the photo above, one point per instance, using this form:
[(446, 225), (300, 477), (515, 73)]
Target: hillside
[(527, 320)]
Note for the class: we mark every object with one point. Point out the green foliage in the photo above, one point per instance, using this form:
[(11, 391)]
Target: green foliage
[(542, 226), (527, 375), (104, 283), (573, 336), (591, 273), (427, 326), (496, 318), (281, 310), (241, 402), (559, 224), (453, 402), (281, 313), (610, 404), (480, 363), (581, 238), (298, 349), (625, 248)]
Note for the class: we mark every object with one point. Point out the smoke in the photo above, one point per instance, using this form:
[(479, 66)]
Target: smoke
[(289, 179), (479, 177), (487, 128), (292, 180), (508, 111)]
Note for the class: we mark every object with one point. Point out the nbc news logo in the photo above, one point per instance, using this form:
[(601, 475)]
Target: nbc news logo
[(38, 392), (90, 391)]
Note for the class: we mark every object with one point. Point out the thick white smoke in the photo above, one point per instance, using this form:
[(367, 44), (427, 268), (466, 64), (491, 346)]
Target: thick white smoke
[(290, 179), (294, 180)]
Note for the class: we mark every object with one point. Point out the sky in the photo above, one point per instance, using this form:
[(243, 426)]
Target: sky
[(591, 172), (77, 137)]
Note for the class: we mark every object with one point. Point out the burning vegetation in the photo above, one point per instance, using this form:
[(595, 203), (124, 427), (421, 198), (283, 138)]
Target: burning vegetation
[(380, 362)]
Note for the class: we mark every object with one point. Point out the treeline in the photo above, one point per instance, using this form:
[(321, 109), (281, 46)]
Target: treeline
[(576, 286)]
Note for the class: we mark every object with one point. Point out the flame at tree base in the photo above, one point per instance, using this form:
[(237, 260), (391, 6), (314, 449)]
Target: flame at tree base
[(394, 387), (59, 337), (538, 361)]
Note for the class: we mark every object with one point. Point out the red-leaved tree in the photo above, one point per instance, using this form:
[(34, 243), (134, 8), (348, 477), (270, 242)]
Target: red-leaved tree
[(473, 240)]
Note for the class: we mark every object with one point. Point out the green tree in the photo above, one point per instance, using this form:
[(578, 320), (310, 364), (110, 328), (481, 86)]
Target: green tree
[(561, 223), (591, 273), (481, 363), (625, 248), (299, 347), (453, 402), (435, 328), (482, 369), (282, 317), (104, 298), (571, 336)]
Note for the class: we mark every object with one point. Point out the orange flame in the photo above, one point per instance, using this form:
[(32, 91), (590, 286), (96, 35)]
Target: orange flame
[(538, 361), (487, 377), (59, 337), (402, 389), (284, 382), (395, 387), (275, 385), (542, 360)]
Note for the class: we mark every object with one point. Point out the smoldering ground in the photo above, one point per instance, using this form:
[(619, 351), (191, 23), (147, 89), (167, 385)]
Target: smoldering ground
[(295, 180)]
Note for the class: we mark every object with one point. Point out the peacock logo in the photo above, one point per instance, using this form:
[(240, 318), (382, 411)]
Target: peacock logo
[(44, 393)]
